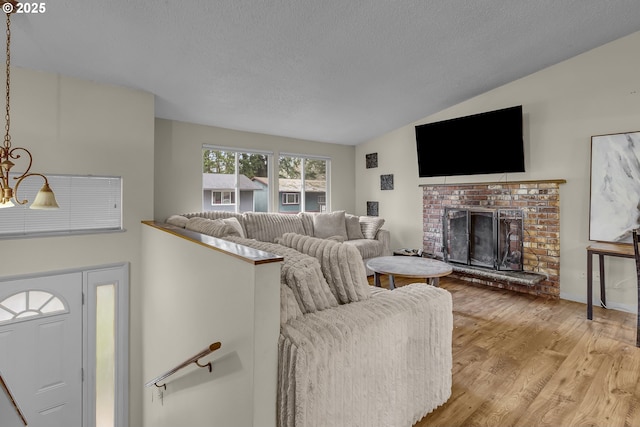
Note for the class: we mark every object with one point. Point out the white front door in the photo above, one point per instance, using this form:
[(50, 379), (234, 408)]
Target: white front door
[(41, 347)]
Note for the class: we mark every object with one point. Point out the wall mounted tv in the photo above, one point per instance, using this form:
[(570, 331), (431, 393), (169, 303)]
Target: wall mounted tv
[(483, 143)]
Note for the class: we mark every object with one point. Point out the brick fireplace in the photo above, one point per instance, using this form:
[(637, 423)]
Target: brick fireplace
[(539, 202)]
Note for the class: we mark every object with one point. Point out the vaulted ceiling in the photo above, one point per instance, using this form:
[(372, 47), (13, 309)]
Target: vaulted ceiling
[(339, 71)]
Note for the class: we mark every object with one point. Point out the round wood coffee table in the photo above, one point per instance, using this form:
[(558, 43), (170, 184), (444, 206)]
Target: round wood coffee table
[(408, 266)]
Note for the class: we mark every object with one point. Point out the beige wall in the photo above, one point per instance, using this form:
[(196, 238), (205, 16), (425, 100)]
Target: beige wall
[(178, 160), (78, 127), (595, 93), (196, 296)]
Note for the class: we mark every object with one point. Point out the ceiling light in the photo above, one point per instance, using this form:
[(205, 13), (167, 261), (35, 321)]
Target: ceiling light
[(45, 199)]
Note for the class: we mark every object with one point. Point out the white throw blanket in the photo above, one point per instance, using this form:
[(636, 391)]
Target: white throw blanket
[(385, 361)]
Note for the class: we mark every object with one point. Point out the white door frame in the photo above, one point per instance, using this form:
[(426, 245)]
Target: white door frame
[(92, 278)]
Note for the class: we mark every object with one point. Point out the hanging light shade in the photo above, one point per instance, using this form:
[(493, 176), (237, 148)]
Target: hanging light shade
[(45, 199)]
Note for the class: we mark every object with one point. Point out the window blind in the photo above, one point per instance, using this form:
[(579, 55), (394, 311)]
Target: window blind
[(87, 204)]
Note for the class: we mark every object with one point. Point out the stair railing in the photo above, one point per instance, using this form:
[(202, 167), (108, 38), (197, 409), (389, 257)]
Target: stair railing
[(3, 386), (194, 359)]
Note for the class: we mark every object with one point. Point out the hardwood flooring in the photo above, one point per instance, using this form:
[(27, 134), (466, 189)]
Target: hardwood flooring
[(519, 360)]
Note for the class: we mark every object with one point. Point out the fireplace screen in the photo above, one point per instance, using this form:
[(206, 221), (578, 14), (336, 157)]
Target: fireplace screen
[(484, 238)]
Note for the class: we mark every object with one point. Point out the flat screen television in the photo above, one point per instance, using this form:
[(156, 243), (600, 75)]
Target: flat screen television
[(482, 143)]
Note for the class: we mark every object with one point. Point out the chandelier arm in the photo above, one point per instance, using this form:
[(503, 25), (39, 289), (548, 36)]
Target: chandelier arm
[(4, 181), (14, 155), (20, 179)]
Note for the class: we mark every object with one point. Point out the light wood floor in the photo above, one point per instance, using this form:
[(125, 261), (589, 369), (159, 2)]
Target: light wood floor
[(519, 360)]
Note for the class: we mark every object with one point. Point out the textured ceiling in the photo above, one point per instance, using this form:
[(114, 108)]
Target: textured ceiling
[(340, 71)]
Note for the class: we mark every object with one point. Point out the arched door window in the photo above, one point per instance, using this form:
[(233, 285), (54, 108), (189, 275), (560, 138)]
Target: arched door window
[(26, 304)]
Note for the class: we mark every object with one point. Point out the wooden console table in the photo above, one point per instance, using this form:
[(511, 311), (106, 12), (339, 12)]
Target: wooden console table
[(606, 249)]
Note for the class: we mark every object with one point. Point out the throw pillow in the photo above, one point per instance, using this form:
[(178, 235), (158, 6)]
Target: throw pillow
[(266, 227), (307, 222), (212, 227), (341, 265), (327, 225), (304, 277), (233, 222), (177, 220), (370, 226), (353, 227), (301, 273)]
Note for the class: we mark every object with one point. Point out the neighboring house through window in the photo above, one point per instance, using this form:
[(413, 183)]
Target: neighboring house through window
[(303, 183), (235, 180)]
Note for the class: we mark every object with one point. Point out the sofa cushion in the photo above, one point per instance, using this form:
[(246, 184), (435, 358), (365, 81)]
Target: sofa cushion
[(289, 308), (212, 227), (368, 248), (233, 222), (339, 367), (302, 273), (177, 220), (327, 225), (307, 222), (354, 231), (217, 215), (370, 226), (266, 227), (341, 265)]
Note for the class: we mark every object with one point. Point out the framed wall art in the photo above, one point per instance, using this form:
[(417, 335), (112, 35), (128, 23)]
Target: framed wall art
[(386, 182), (372, 208), (371, 160), (614, 209)]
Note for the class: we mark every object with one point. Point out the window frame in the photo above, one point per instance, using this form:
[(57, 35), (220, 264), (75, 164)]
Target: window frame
[(18, 316), (304, 158), (117, 275), (232, 197), (75, 216), (285, 198), (270, 161)]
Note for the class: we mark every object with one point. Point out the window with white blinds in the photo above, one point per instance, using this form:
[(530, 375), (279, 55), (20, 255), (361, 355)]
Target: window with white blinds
[(87, 204)]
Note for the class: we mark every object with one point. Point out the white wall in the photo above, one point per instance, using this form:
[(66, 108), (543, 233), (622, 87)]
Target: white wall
[(196, 296), (178, 162), (79, 127), (595, 93)]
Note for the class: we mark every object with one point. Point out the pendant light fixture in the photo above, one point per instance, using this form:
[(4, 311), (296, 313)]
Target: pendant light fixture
[(45, 199)]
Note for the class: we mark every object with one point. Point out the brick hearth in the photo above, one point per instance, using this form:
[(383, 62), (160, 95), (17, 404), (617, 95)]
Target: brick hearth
[(540, 202)]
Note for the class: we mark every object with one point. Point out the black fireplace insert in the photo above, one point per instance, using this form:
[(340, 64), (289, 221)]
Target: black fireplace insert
[(490, 238)]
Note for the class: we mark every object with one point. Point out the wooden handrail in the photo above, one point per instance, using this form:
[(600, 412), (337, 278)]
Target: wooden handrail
[(194, 359), (13, 401)]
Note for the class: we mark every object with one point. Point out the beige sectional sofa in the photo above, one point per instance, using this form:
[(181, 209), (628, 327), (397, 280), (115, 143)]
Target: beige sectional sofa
[(363, 232), (350, 354)]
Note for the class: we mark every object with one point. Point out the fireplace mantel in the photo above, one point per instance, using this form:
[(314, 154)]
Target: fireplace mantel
[(540, 202), (538, 181)]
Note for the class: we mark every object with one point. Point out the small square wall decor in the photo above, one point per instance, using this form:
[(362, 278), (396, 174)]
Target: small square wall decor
[(371, 160), (372, 208), (386, 182)]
